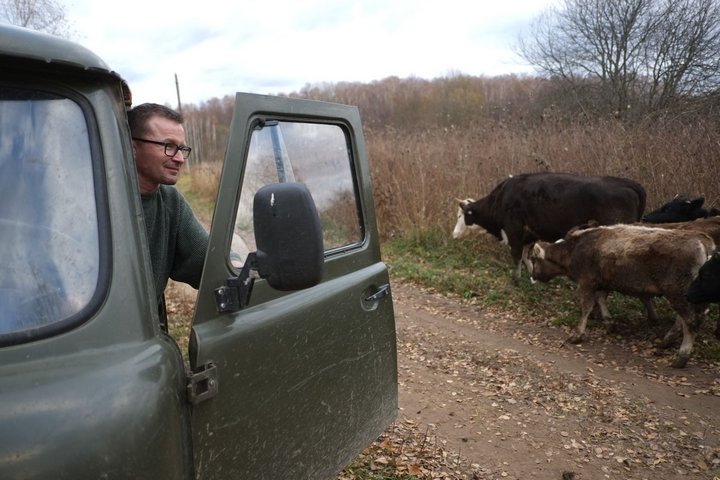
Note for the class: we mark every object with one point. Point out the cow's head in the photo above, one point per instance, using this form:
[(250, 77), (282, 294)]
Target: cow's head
[(706, 286), (544, 268), (679, 209), (464, 218)]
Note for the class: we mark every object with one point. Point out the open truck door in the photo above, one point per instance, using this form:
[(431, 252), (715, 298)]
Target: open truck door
[(292, 347)]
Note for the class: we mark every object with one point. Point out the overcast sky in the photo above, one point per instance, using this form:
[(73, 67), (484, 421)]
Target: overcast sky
[(218, 47)]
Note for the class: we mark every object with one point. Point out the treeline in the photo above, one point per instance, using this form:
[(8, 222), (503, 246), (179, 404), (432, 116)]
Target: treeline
[(430, 141)]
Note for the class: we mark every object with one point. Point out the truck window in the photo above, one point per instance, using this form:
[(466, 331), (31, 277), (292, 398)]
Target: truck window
[(48, 219), (311, 153)]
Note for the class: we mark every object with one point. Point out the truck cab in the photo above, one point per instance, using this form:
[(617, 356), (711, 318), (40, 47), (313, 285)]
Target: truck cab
[(291, 366)]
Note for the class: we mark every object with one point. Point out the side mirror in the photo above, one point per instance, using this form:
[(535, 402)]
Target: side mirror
[(290, 253)]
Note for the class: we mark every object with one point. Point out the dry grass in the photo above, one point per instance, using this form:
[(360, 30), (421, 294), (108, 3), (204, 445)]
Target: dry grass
[(417, 176), (205, 178)]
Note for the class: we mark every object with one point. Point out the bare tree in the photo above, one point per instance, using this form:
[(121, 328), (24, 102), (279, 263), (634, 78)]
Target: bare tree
[(683, 55), (43, 15), (620, 53)]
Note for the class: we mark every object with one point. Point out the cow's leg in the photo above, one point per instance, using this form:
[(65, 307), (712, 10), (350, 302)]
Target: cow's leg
[(526, 260), (673, 334), (689, 318), (686, 346), (516, 273), (587, 301), (652, 317), (512, 234), (516, 251), (601, 300)]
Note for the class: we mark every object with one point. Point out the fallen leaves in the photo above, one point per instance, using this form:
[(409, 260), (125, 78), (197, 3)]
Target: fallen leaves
[(403, 451), (595, 419)]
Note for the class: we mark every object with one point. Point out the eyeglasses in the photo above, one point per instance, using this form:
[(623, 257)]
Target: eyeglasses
[(171, 149)]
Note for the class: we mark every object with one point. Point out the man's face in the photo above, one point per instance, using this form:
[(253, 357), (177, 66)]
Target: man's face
[(153, 166)]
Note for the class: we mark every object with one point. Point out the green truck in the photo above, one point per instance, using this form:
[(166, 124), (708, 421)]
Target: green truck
[(291, 368)]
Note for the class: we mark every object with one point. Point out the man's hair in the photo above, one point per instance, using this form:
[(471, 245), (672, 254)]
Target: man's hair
[(138, 116)]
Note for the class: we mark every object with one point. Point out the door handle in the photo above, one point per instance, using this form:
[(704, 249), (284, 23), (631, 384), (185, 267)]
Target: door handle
[(381, 292)]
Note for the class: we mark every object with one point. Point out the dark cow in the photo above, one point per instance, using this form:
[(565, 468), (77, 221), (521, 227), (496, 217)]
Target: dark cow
[(640, 261), (706, 287), (680, 209), (545, 206)]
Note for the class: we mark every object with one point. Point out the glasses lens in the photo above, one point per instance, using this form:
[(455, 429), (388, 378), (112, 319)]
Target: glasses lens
[(171, 149)]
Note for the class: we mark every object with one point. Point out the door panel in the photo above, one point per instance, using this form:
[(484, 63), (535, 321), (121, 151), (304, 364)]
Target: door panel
[(305, 379)]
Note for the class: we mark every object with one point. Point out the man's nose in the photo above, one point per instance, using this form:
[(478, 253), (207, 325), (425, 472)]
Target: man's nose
[(178, 157)]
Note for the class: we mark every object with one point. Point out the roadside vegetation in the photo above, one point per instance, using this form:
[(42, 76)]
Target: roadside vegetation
[(502, 126)]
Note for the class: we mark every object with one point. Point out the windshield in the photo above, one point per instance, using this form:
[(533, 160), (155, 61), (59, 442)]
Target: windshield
[(48, 220)]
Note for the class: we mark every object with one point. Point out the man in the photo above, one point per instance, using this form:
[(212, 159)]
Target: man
[(177, 240)]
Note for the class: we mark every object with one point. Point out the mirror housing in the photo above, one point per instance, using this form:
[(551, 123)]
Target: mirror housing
[(290, 252)]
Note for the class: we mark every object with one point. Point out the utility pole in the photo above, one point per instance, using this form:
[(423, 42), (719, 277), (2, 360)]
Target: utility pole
[(179, 108), (177, 89)]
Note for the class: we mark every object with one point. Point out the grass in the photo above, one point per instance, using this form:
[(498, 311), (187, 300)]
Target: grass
[(198, 195), (478, 269)]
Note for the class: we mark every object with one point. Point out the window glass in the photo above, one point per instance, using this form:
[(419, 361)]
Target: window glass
[(317, 155), (48, 220)]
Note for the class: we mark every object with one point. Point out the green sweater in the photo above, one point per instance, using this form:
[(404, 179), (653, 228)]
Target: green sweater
[(177, 241)]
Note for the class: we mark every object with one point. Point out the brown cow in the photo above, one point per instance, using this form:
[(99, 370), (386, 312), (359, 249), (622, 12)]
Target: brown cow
[(710, 226), (634, 260)]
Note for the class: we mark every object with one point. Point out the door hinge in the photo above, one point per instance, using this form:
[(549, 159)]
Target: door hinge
[(203, 384)]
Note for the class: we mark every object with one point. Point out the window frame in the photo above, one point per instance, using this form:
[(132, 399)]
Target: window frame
[(350, 149), (97, 166)]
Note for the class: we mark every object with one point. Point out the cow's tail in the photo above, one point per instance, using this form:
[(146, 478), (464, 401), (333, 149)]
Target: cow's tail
[(642, 198)]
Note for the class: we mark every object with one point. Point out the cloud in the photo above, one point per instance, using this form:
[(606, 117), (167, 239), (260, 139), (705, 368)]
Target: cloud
[(217, 48)]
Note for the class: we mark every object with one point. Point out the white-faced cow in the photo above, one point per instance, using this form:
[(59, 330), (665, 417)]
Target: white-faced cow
[(680, 209), (634, 260), (545, 206)]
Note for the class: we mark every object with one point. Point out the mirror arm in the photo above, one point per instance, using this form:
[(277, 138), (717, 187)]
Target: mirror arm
[(235, 294)]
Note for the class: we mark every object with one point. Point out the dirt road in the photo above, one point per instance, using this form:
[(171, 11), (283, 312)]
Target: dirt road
[(518, 403)]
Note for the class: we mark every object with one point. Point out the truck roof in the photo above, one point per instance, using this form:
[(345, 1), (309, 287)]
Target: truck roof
[(21, 42)]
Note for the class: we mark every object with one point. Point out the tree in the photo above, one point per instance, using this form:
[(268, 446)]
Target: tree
[(43, 15), (618, 54)]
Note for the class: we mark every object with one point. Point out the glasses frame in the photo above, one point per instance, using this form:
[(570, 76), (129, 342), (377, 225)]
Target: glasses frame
[(185, 151)]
